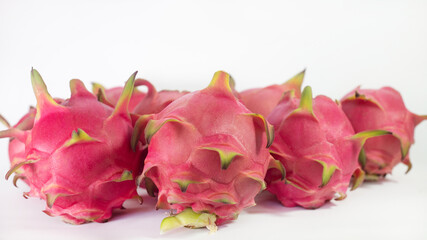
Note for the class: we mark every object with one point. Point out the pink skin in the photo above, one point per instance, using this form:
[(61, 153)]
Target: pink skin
[(382, 109), (301, 140), (17, 153), (263, 100), (80, 177), (182, 150), (16, 147)]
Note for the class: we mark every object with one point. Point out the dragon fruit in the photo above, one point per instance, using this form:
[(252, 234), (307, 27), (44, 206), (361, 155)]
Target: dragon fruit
[(140, 102), (316, 144), (263, 100), (207, 156), (382, 109), (77, 154)]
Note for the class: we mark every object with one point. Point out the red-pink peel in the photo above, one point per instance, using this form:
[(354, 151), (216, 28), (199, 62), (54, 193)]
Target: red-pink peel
[(382, 109), (263, 100)]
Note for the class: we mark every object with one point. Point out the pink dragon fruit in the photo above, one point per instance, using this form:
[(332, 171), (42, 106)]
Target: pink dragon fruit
[(207, 156), (78, 155), (382, 109), (140, 103), (317, 146), (263, 100)]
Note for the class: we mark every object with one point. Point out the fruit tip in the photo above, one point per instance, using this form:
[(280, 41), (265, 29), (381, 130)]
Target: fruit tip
[(4, 121), (221, 80)]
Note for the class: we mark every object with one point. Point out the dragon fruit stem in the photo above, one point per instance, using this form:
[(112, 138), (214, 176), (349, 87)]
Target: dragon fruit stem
[(189, 218)]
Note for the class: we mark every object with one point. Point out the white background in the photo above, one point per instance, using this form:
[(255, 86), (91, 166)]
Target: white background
[(179, 45)]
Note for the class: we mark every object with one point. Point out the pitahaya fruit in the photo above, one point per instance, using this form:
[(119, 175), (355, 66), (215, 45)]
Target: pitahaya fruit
[(207, 156), (78, 155), (382, 109), (140, 102), (316, 144), (263, 100)]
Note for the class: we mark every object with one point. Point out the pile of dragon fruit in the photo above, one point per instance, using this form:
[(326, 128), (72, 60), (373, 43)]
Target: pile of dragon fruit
[(203, 155)]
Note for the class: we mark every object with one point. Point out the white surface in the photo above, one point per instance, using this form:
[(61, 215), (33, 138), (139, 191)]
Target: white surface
[(179, 45)]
